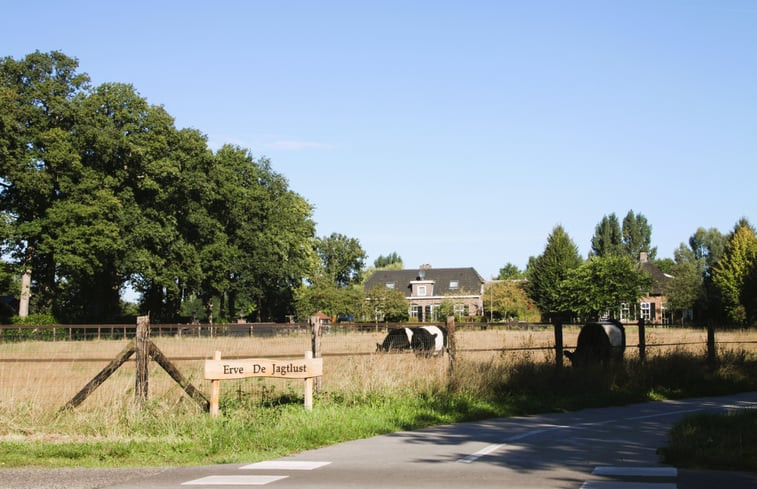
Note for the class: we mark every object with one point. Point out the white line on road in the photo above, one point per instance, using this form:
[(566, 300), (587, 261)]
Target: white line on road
[(484, 451), (493, 448), (234, 480), (285, 465)]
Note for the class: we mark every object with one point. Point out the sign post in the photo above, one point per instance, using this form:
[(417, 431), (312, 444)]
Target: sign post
[(217, 370)]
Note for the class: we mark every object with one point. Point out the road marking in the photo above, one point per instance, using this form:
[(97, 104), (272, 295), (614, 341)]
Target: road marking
[(493, 448), (636, 471), (234, 480), (484, 451), (285, 465), (626, 485)]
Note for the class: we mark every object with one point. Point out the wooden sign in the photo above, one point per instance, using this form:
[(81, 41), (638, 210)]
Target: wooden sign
[(261, 367), (217, 370)]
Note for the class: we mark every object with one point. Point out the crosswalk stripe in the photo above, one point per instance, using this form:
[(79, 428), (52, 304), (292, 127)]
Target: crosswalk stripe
[(234, 480), (636, 471), (626, 485), (284, 465)]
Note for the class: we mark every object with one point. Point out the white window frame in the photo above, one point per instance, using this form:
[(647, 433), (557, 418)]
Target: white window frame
[(645, 311), (454, 284), (421, 291), (625, 311)]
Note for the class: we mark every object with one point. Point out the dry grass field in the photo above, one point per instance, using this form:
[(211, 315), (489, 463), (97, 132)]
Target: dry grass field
[(46, 374)]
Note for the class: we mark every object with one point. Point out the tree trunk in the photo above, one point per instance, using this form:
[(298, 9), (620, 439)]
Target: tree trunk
[(26, 293)]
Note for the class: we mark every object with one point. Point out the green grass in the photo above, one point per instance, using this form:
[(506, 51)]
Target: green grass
[(711, 441), (167, 432)]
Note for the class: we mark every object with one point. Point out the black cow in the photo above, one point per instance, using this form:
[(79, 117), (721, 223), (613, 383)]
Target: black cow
[(599, 343), (397, 339), (423, 339)]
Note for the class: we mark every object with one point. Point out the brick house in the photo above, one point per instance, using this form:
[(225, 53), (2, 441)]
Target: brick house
[(653, 306), (426, 288)]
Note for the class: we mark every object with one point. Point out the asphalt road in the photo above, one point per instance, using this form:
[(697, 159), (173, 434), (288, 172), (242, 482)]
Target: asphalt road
[(608, 448)]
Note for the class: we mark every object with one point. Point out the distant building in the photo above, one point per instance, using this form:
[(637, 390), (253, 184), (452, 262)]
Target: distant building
[(425, 289), (653, 306)]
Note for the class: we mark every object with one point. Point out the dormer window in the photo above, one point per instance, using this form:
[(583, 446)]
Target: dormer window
[(454, 284), (422, 290), (390, 285)]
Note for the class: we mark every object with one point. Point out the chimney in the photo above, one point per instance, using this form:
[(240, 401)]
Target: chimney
[(643, 257)]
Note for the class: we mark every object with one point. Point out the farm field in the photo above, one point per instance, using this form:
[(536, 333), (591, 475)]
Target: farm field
[(48, 374)]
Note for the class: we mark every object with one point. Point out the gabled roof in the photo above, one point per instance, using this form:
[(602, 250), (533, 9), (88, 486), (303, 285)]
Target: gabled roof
[(468, 280), (660, 279)]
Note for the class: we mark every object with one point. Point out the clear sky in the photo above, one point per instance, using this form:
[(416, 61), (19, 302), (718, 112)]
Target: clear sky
[(453, 133)]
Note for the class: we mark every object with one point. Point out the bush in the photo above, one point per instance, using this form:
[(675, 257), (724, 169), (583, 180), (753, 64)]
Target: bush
[(34, 320)]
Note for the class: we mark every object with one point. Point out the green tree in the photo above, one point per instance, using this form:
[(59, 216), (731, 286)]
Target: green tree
[(634, 237), (600, 285), (99, 190), (508, 300), (666, 265), (264, 243), (390, 262), (547, 271), (130, 150), (733, 274), (705, 247), (384, 304), (608, 238), (637, 236), (342, 259), (510, 272), (37, 113), (687, 286), (323, 295)]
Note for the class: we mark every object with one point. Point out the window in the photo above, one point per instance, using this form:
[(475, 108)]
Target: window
[(422, 290), (454, 284), (625, 312), (414, 310), (461, 310), (390, 285), (646, 310)]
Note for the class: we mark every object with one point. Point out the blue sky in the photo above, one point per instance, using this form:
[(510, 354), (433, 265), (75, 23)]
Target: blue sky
[(453, 133)]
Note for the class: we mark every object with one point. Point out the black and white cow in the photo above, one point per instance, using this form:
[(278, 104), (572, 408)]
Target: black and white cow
[(423, 339), (599, 343), (429, 339), (397, 339)]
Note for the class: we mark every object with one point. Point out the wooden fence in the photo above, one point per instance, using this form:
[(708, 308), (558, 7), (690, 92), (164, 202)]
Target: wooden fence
[(86, 332)]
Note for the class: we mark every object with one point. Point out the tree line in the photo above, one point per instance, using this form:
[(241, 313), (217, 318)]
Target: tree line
[(99, 190), (713, 278)]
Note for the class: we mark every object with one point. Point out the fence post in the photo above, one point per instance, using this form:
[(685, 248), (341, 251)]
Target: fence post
[(315, 339), (711, 353), (215, 390), (451, 345), (142, 348), (642, 340), (309, 385), (558, 343)]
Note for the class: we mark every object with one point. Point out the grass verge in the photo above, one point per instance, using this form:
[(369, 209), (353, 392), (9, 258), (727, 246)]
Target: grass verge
[(711, 441)]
